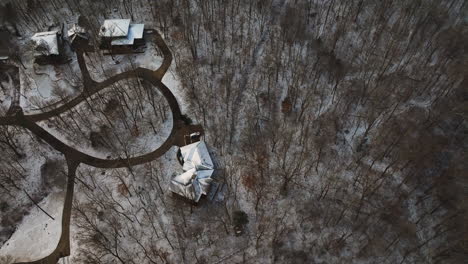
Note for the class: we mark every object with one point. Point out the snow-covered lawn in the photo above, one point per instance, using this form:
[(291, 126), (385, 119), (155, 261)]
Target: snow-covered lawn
[(37, 236), (171, 80)]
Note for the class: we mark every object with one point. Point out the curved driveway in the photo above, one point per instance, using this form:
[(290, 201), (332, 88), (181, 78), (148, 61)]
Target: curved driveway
[(74, 157)]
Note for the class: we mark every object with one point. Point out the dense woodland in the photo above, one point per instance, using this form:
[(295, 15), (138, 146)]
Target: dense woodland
[(338, 128)]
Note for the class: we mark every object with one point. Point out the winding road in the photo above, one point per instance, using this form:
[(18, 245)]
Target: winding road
[(75, 158)]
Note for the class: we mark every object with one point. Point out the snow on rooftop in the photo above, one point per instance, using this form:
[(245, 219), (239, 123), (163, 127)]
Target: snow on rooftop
[(187, 191), (185, 178), (198, 168), (204, 180), (48, 41), (196, 156), (38, 235), (115, 28), (75, 31), (135, 31)]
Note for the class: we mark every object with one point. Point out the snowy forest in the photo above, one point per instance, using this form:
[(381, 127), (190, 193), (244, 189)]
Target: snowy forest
[(336, 129)]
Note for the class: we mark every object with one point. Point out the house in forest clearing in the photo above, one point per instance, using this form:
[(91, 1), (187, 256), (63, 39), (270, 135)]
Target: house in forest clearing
[(46, 43), (47, 47), (198, 171), (120, 36)]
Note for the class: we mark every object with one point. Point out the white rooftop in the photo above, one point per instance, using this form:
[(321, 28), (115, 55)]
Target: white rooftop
[(76, 31), (48, 41), (115, 28), (196, 156), (198, 168), (204, 180), (135, 31), (192, 184), (185, 178)]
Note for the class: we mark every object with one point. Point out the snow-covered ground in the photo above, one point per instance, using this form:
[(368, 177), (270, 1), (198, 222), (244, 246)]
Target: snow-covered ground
[(171, 80), (43, 86), (149, 129), (148, 191), (317, 184), (37, 236)]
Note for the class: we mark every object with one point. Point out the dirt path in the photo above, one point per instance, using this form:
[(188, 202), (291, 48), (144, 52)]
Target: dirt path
[(75, 158)]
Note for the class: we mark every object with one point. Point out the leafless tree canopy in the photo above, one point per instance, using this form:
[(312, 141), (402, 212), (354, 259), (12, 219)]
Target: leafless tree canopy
[(338, 130)]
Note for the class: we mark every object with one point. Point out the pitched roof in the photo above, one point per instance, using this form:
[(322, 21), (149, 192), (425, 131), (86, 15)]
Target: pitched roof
[(187, 191), (185, 178), (77, 31), (196, 156), (204, 180), (198, 168), (135, 31), (115, 28), (46, 42), (192, 184)]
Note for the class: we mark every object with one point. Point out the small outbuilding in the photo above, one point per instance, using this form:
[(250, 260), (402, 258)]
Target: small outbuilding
[(198, 171), (78, 36)]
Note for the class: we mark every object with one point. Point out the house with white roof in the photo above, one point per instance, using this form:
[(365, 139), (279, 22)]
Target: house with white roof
[(46, 43), (48, 48), (198, 171), (120, 34)]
